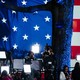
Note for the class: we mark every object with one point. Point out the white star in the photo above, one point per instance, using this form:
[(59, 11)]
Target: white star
[(13, 12), (47, 19), (4, 20), (47, 36), (24, 2), (14, 28), (24, 19), (25, 37), (15, 46), (36, 28), (5, 38), (46, 1), (2, 1)]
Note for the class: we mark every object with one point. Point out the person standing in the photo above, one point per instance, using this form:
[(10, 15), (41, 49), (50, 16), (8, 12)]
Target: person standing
[(65, 73), (5, 76), (76, 72)]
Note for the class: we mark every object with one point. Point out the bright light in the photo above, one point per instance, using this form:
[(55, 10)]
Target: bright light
[(49, 62), (35, 48), (5, 68), (78, 57), (27, 68), (2, 55)]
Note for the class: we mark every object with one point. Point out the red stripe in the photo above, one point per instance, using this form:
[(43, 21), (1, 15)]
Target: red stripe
[(75, 50), (76, 2), (76, 25)]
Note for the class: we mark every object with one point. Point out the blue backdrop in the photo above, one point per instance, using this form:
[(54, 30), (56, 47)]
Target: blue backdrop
[(20, 30)]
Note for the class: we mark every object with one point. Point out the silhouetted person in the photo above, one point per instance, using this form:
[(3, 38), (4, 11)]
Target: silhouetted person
[(5, 76), (17, 76), (76, 72), (29, 57), (9, 58)]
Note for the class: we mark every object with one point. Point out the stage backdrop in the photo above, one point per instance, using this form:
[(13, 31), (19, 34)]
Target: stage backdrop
[(20, 30), (76, 30)]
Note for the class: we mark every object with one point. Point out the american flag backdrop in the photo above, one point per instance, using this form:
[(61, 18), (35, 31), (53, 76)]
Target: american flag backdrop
[(76, 30), (20, 30), (24, 29)]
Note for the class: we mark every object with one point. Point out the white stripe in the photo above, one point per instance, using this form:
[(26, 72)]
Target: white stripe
[(75, 39), (76, 12), (73, 61)]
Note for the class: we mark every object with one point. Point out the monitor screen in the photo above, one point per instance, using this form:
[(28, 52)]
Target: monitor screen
[(2, 55), (36, 64), (18, 64), (27, 68), (5, 68)]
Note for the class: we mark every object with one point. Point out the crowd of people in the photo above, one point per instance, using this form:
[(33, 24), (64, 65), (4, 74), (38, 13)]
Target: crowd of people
[(48, 64), (66, 74)]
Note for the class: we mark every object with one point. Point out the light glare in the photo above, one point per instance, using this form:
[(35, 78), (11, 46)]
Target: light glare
[(27, 68), (78, 57), (35, 48), (5, 68)]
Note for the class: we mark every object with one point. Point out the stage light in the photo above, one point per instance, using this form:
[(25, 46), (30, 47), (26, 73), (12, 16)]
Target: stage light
[(2, 55), (35, 48), (27, 68), (59, 1), (49, 62), (78, 57), (6, 68), (59, 24)]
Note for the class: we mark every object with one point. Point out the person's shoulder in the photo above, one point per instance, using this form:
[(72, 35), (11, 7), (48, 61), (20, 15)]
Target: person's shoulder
[(61, 72), (9, 78), (72, 70)]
